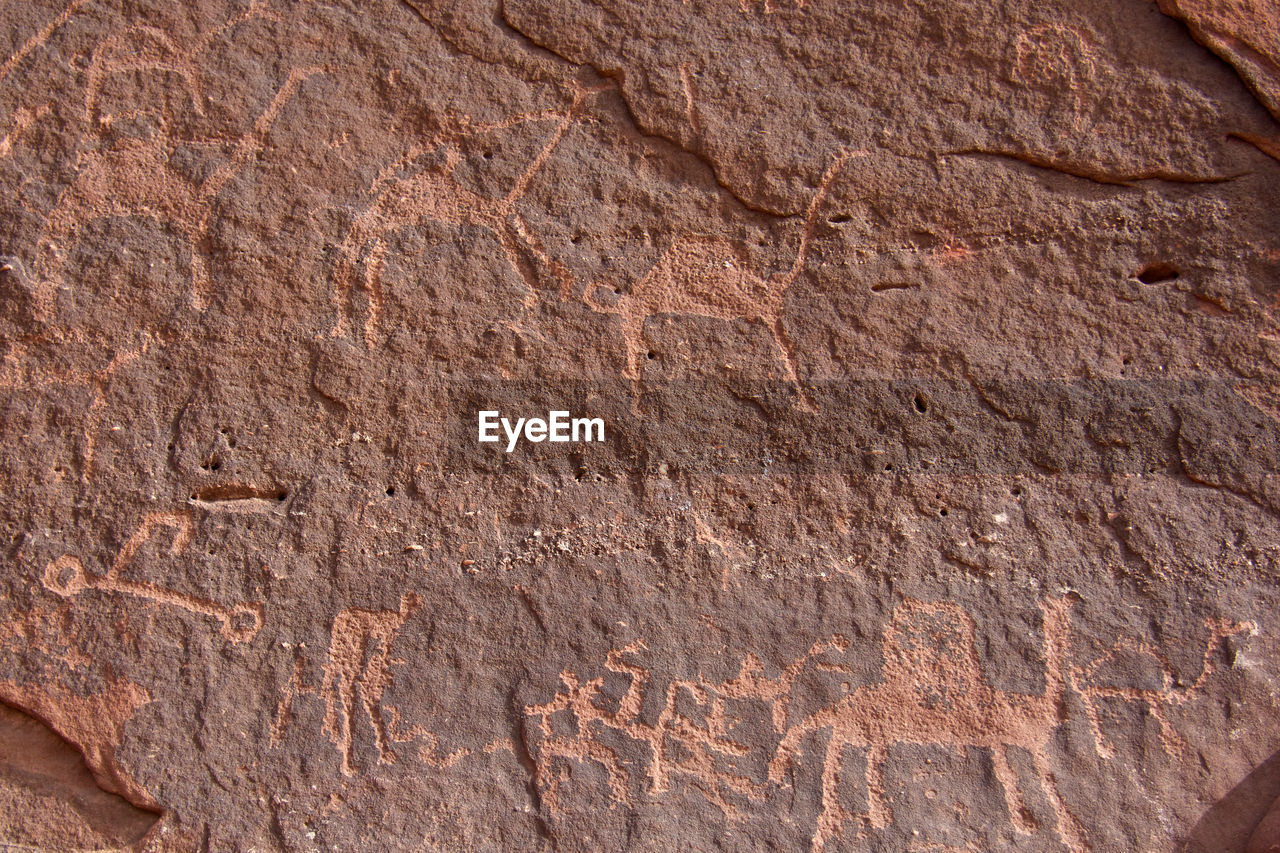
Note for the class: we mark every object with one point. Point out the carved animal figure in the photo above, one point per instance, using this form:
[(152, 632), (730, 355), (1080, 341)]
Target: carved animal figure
[(1091, 686), (703, 276), (360, 658), (136, 179), (146, 48), (933, 692), (434, 195)]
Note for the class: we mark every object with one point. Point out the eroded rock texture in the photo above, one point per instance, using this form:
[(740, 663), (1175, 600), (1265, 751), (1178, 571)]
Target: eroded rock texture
[(937, 350)]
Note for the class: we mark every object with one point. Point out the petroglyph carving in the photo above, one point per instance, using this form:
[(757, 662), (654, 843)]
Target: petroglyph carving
[(430, 752), (932, 691), (676, 744), (17, 372), (1087, 682), (67, 577), (360, 657), (40, 38), (22, 119), (703, 276), (145, 48), (360, 662), (296, 687), (135, 179), (933, 683), (433, 194)]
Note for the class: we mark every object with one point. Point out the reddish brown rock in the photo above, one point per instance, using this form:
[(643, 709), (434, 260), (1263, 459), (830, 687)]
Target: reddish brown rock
[(936, 349), (1266, 838), (1244, 33), (50, 800)]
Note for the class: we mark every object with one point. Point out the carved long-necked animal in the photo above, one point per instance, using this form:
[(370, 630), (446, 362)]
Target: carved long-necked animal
[(434, 194), (706, 276), (136, 179), (933, 692)]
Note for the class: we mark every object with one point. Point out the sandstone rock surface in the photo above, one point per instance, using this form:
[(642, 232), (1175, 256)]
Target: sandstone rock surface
[(937, 351)]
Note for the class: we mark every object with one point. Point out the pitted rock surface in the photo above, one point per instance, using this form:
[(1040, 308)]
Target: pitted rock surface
[(937, 351)]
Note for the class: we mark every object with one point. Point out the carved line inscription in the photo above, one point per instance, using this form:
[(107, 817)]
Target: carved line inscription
[(67, 577)]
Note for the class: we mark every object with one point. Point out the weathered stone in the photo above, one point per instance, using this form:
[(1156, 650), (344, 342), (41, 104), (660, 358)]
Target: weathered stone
[(937, 353)]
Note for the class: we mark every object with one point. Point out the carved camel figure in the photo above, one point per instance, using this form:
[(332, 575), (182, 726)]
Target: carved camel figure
[(933, 692), (137, 180), (434, 195), (704, 276)]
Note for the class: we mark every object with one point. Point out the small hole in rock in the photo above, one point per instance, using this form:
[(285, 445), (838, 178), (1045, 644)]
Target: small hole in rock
[(488, 155), (1158, 273), (391, 491), (652, 355), (942, 512), (921, 405), (839, 219), (1016, 491)]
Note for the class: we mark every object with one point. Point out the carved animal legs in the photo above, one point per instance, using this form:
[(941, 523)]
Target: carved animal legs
[(372, 683), (1069, 829), (879, 814), (1019, 814)]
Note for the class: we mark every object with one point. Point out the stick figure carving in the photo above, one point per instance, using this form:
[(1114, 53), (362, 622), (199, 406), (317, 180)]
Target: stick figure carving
[(676, 745), (433, 194), (136, 179), (704, 276)]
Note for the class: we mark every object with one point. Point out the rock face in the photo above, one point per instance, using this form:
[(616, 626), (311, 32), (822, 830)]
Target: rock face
[(50, 799), (936, 352)]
